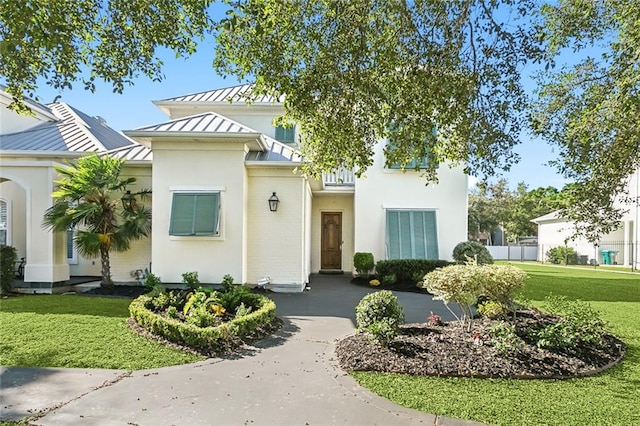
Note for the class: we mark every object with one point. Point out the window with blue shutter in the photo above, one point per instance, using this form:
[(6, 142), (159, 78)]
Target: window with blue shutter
[(420, 163), (411, 234), (286, 134), (195, 214)]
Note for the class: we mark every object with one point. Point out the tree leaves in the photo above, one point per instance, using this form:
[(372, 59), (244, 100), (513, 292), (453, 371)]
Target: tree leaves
[(66, 41), (354, 70)]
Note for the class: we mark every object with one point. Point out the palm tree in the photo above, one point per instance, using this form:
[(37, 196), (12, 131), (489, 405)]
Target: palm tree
[(93, 197)]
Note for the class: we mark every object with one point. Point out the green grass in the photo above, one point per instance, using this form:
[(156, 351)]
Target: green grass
[(77, 331), (611, 398)]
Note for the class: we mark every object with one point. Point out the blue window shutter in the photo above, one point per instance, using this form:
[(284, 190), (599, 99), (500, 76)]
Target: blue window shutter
[(286, 134), (393, 232), (431, 231), (411, 234), (206, 214), (195, 214)]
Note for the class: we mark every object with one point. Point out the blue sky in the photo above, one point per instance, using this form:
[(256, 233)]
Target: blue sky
[(134, 108)]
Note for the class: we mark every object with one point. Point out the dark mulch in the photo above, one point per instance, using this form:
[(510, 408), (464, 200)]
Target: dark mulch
[(449, 350), (408, 286), (128, 291)]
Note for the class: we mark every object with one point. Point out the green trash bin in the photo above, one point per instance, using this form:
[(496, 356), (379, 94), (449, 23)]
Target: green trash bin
[(606, 257)]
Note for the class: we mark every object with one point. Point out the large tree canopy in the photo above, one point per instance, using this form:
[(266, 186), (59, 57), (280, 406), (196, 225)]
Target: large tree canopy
[(590, 110), (66, 41), (438, 78)]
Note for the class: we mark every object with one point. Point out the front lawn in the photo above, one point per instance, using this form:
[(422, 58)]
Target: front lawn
[(77, 331), (609, 398)]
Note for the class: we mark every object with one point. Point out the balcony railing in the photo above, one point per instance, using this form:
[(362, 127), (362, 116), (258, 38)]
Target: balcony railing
[(339, 178)]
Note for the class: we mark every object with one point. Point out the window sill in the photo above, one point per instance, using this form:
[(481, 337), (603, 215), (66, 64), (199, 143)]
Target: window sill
[(196, 238)]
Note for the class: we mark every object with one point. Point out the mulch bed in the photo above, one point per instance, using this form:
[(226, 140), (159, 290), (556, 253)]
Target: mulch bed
[(449, 350), (128, 291)]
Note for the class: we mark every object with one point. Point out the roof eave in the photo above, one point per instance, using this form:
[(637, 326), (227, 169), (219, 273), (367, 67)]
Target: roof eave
[(259, 163)]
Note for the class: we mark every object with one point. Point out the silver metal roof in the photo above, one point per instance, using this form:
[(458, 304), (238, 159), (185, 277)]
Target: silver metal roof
[(208, 122), (132, 153), (73, 132), (241, 93), (214, 123), (276, 151)]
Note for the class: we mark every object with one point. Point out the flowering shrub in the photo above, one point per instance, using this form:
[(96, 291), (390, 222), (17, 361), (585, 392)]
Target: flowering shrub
[(380, 315), (460, 284), (374, 283), (463, 284), (499, 282)]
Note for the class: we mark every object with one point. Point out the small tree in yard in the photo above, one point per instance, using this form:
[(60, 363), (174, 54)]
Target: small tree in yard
[(92, 196)]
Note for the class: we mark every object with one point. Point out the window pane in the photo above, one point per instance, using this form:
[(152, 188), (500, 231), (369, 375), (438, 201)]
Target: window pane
[(182, 214), (70, 244), (431, 232), (206, 214)]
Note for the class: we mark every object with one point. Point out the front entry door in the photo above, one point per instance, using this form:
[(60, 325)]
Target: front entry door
[(331, 241)]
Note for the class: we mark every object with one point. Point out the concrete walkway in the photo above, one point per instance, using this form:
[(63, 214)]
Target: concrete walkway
[(291, 378)]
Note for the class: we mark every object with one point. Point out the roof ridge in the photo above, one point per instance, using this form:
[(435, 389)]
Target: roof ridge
[(205, 91), (82, 124), (202, 114)]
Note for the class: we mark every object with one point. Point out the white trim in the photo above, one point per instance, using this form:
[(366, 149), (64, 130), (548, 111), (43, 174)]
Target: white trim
[(198, 189), (7, 225)]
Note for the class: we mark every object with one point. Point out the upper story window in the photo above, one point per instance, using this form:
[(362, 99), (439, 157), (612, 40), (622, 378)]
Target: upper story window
[(416, 163), (286, 134), (195, 214)]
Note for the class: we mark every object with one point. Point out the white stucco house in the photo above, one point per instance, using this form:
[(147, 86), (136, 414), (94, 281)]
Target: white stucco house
[(556, 231), (213, 167)]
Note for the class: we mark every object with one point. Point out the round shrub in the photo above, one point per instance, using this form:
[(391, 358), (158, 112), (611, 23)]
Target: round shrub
[(380, 315), (364, 263), (472, 250), (562, 255)]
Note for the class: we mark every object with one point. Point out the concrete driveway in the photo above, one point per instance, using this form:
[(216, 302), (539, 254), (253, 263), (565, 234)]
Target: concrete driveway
[(290, 378)]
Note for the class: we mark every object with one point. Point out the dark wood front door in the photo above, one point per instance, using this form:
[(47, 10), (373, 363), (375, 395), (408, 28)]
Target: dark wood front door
[(331, 241)]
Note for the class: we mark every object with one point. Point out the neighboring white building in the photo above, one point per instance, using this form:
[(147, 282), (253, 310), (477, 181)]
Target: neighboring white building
[(556, 231), (216, 163)]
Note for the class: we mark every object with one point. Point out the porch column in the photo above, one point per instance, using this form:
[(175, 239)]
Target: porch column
[(46, 250)]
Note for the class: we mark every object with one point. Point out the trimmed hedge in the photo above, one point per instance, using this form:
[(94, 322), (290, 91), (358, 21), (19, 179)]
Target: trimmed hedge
[(408, 270), (8, 258), (211, 338)]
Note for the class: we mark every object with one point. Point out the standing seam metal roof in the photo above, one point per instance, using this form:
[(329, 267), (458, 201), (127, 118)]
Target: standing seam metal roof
[(74, 132), (211, 122), (240, 93)]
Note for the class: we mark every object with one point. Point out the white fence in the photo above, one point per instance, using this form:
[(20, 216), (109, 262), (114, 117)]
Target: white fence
[(514, 252)]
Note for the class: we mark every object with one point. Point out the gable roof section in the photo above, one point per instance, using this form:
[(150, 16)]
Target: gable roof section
[(549, 217), (208, 122), (214, 125), (240, 93), (73, 132)]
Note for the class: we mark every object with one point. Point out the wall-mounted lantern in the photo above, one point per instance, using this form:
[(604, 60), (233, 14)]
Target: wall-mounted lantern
[(273, 202)]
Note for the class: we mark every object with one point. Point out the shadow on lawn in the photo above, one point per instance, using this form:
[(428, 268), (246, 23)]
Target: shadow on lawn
[(66, 305)]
